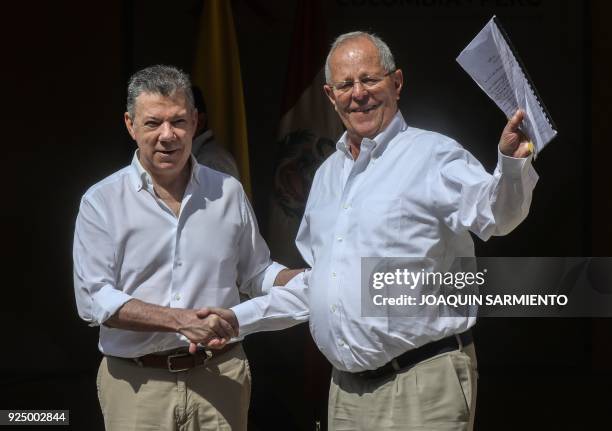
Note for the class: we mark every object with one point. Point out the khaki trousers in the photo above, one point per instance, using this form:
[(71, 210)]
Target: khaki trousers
[(214, 396), (438, 394)]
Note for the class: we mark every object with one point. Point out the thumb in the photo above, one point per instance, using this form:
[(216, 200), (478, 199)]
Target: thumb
[(203, 312), (515, 121), (193, 347), (228, 315)]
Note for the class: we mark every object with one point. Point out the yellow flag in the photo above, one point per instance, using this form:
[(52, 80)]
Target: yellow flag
[(217, 72)]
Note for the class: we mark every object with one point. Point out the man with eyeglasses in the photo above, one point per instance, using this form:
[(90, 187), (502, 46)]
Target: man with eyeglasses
[(391, 190)]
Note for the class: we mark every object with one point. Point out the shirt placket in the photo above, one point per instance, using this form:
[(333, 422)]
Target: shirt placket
[(342, 247), (179, 254)]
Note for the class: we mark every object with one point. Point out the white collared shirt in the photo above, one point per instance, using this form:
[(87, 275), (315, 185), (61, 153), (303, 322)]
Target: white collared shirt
[(409, 193), (129, 244)]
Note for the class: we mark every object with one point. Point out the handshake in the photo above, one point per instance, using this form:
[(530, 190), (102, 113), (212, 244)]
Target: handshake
[(209, 326)]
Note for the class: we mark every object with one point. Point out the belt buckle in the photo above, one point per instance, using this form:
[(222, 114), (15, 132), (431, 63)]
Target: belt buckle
[(169, 362), (169, 358)]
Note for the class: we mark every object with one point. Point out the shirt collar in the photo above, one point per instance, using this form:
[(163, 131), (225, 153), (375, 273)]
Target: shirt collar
[(141, 179), (380, 141)]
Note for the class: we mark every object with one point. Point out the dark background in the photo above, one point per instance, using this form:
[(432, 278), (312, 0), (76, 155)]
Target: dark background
[(65, 66)]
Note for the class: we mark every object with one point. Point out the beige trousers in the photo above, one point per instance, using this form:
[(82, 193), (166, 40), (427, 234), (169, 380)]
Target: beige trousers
[(214, 396), (438, 394)]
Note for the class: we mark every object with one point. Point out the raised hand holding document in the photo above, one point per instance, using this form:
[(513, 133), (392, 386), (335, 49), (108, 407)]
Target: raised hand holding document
[(493, 63)]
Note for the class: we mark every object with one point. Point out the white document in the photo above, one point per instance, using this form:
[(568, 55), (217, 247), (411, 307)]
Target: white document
[(490, 60)]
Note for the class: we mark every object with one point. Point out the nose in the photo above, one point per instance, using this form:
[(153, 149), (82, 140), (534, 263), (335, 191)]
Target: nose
[(166, 131), (359, 91)]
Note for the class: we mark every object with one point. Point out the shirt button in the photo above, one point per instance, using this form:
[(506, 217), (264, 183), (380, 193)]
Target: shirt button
[(333, 275), (333, 308), (346, 206), (340, 239), (179, 263), (177, 297), (341, 343)]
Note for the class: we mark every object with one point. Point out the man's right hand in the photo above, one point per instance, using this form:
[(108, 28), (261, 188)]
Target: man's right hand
[(227, 316), (199, 326), (201, 330)]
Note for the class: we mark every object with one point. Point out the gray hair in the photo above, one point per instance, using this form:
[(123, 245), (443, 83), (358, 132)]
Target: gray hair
[(158, 79), (384, 53)]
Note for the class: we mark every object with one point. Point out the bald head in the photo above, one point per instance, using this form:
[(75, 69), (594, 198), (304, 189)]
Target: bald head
[(385, 57)]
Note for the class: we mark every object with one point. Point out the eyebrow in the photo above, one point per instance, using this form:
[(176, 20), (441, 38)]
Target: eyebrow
[(362, 75), (174, 117)]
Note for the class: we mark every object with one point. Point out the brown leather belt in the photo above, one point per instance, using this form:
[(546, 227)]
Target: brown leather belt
[(181, 359)]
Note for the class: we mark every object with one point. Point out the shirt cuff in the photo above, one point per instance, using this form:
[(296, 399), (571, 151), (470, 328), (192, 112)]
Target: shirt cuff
[(282, 308), (106, 302), (270, 275), (513, 167), (248, 315)]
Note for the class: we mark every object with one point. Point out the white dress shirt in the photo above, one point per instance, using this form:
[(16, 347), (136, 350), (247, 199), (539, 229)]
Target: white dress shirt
[(129, 244), (409, 193)]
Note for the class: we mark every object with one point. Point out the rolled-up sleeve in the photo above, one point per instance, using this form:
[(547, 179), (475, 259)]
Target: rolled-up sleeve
[(97, 297)]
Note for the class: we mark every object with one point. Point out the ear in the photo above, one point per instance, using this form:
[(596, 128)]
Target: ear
[(329, 92), (129, 124), (398, 81)]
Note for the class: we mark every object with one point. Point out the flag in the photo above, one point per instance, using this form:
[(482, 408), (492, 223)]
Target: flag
[(217, 72), (308, 129)]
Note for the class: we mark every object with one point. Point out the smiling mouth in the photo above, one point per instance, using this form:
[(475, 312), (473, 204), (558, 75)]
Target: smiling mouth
[(365, 109), (167, 152)]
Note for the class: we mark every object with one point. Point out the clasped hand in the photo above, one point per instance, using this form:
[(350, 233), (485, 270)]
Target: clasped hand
[(210, 326)]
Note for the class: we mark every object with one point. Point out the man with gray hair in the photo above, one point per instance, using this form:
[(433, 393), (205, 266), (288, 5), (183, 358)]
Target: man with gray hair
[(155, 243), (391, 190)]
